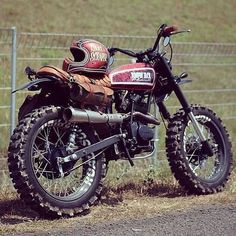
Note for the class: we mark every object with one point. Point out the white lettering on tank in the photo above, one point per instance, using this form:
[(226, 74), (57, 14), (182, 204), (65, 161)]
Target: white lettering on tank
[(141, 76)]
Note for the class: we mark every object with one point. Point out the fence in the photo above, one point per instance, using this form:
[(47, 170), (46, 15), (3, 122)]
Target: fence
[(7, 83), (211, 65)]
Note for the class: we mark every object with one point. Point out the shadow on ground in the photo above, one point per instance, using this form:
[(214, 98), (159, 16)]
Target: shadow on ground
[(113, 196), (15, 211)]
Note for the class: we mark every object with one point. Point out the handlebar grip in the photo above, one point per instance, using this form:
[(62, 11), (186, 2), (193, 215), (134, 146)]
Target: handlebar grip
[(169, 29)]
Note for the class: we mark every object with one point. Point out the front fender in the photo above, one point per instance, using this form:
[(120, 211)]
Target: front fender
[(33, 85)]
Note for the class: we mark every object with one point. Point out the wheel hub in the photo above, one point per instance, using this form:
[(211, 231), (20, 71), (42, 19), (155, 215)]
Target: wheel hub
[(50, 163), (194, 150)]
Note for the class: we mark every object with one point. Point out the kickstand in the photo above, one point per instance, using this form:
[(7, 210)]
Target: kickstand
[(127, 154)]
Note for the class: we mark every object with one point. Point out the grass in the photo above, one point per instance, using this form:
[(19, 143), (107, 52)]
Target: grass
[(209, 20)]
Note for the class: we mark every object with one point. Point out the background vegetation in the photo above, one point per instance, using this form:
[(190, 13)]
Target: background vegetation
[(209, 20)]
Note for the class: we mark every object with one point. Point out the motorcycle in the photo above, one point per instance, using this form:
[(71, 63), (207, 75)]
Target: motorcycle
[(84, 116)]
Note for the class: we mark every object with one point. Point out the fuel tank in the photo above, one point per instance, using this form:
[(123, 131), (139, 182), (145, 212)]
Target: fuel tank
[(136, 76)]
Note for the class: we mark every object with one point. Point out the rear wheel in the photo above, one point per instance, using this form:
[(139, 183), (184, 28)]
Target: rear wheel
[(192, 167), (32, 156)]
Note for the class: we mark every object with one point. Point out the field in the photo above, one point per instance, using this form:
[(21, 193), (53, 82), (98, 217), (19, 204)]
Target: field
[(210, 21)]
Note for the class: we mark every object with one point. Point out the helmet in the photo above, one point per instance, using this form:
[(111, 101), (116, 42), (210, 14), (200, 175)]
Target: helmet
[(89, 56)]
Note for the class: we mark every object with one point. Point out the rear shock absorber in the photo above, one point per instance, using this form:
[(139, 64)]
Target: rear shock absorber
[(70, 148), (71, 144)]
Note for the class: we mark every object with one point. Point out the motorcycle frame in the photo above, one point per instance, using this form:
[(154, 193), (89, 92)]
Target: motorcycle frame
[(172, 86)]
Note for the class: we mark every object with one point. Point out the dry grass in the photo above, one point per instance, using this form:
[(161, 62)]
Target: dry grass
[(18, 218)]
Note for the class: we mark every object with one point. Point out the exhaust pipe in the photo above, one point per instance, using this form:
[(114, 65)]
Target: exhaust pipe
[(86, 116)]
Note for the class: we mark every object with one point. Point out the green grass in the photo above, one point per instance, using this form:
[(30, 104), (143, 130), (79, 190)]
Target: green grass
[(209, 20)]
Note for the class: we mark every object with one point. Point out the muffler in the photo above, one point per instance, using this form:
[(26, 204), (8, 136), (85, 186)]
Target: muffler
[(86, 116)]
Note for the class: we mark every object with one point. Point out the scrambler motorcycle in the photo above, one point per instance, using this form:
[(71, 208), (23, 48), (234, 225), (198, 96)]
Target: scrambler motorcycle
[(84, 116)]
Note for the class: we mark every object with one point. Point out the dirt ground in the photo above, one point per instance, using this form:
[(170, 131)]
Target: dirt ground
[(128, 214), (202, 220)]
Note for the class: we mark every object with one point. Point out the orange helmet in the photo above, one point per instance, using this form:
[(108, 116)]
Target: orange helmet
[(89, 56)]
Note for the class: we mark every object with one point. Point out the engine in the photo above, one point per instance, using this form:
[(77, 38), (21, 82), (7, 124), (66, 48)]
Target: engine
[(124, 100), (139, 129), (140, 136), (142, 133)]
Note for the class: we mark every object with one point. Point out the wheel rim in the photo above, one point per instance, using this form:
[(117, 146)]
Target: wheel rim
[(52, 137), (204, 167)]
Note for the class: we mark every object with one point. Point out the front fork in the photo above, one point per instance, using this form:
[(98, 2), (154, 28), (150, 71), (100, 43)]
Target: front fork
[(206, 148)]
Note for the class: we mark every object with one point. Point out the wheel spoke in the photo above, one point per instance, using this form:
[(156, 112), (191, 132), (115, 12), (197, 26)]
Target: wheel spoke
[(39, 153), (42, 172), (192, 155), (49, 141), (38, 169), (59, 136), (45, 139)]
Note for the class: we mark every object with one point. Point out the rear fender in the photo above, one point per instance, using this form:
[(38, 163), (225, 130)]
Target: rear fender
[(36, 84)]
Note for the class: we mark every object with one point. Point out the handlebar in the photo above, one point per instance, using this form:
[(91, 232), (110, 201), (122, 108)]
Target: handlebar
[(112, 51), (163, 31)]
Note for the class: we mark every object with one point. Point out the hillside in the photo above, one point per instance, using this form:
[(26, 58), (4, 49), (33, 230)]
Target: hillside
[(209, 20)]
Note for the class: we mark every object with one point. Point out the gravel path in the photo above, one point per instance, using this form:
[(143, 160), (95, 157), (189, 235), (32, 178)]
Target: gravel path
[(218, 219)]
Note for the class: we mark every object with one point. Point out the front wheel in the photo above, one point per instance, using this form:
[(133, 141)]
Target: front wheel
[(192, 167)]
